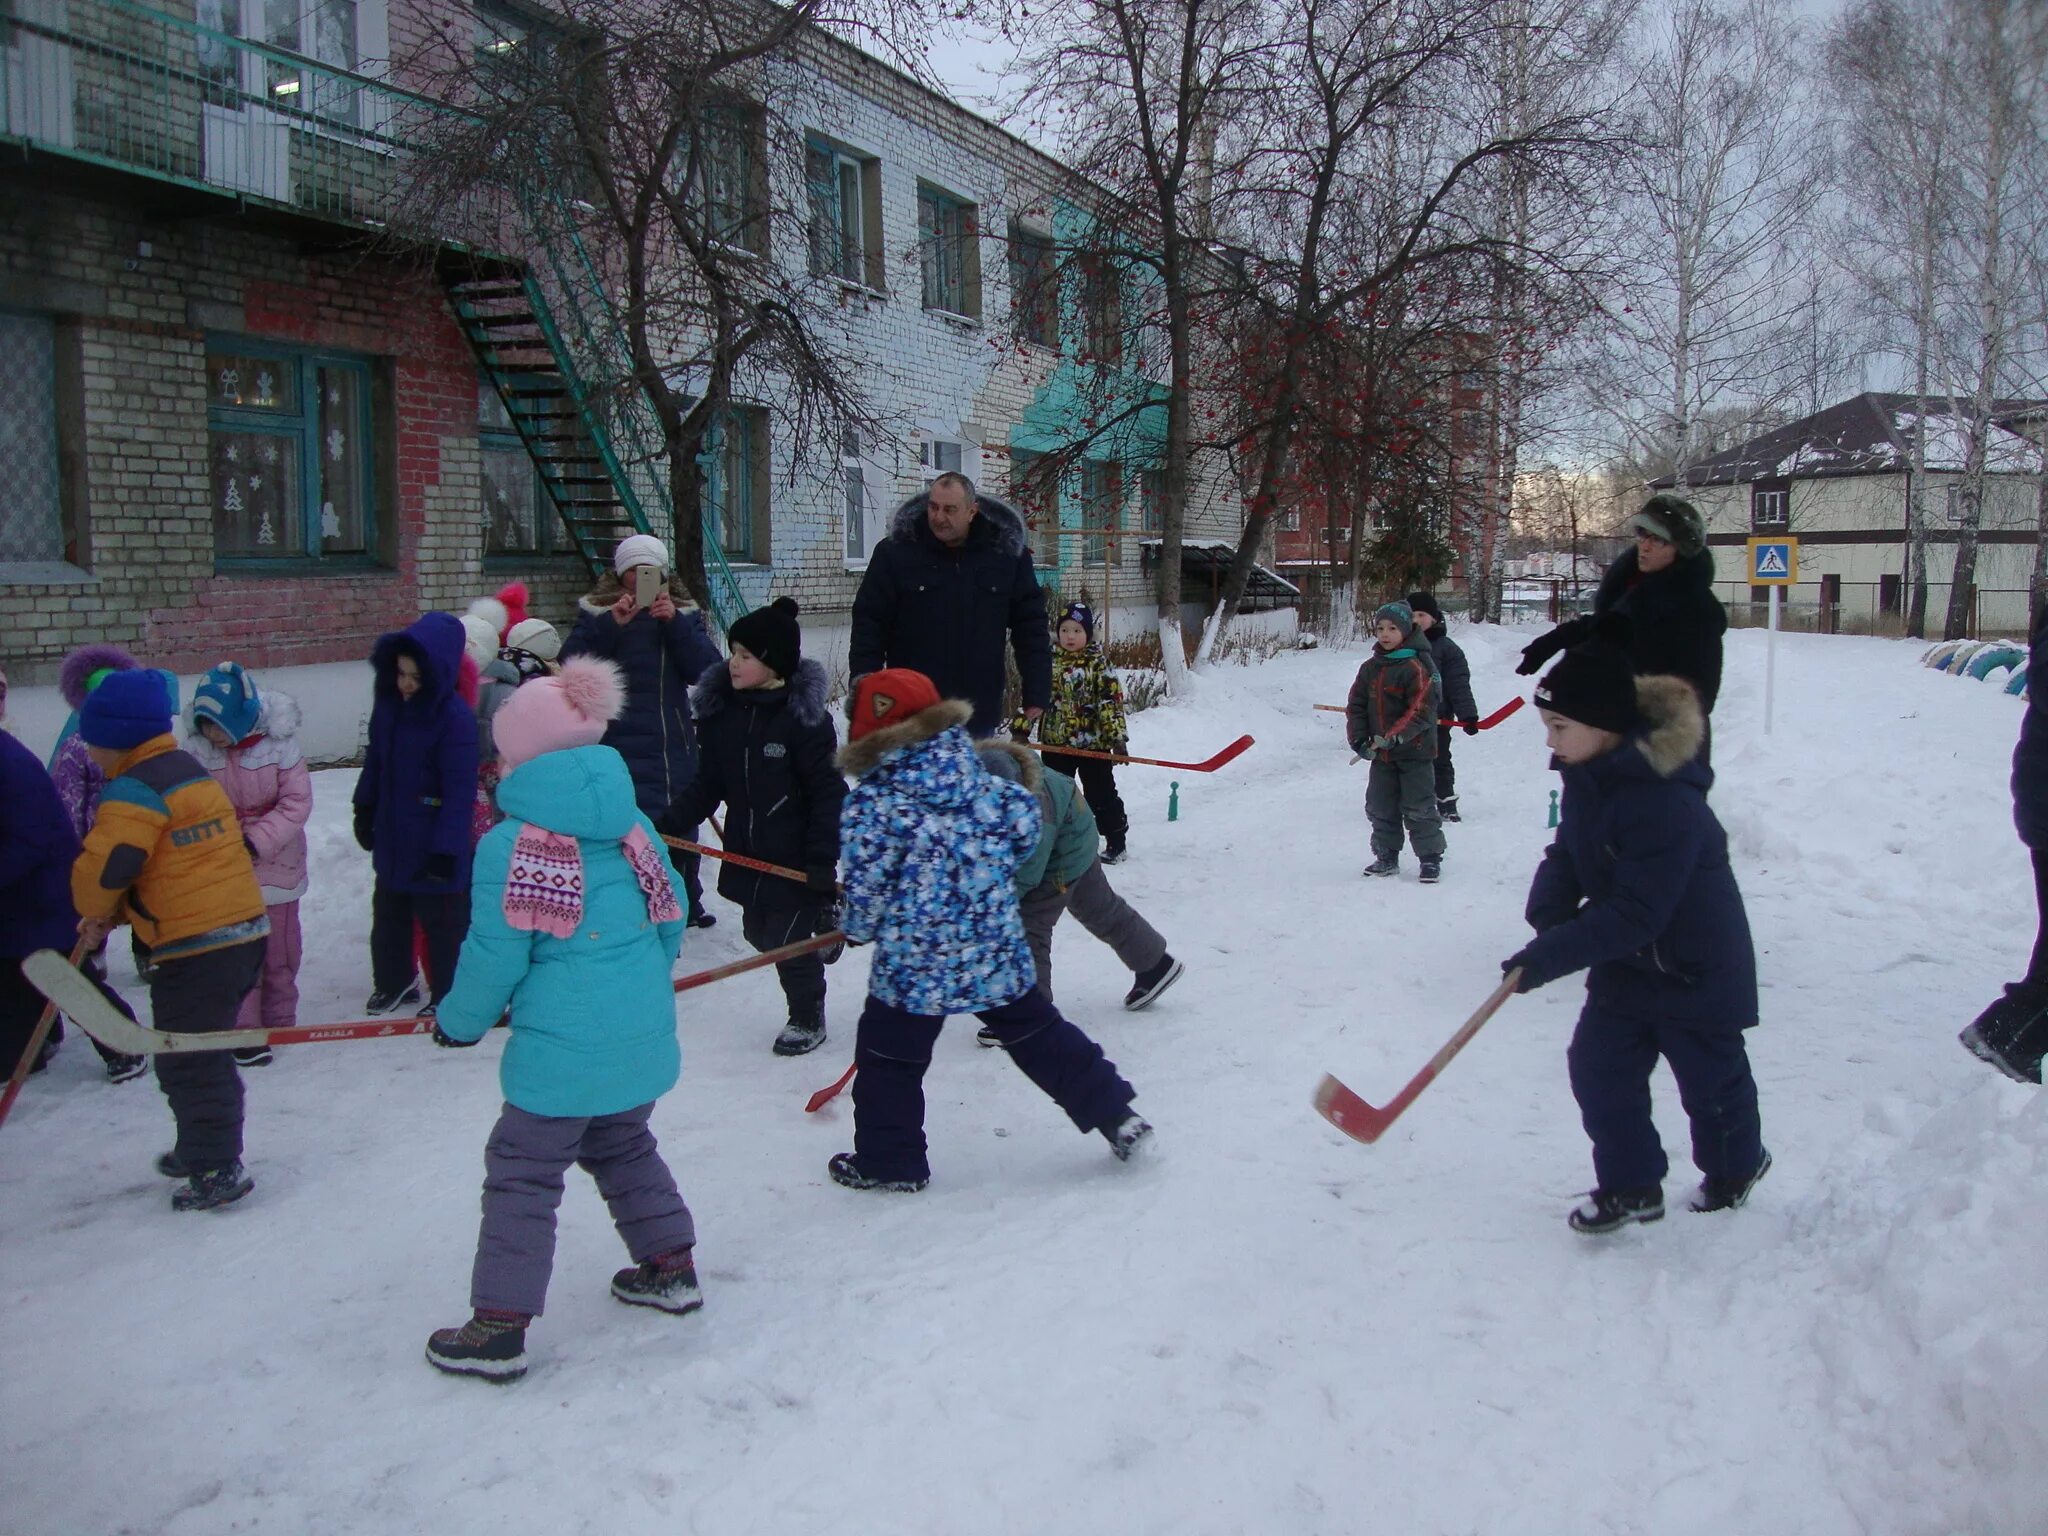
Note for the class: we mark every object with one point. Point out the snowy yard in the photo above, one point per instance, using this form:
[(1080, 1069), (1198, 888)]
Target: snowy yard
[(1263, 1328)]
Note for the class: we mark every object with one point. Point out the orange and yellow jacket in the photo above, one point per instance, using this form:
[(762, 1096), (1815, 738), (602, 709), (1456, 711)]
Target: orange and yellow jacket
[(165, 853)]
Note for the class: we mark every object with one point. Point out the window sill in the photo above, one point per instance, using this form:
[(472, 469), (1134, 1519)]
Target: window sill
[(961, 322), (850, 289), (301, 565), (44, 573), (510, 557)]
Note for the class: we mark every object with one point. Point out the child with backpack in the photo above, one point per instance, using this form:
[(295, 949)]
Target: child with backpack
[(765, 744), (576, 925), (1087, 711), (248, 740), (1391, 719), (1637, 891), (930, 842), (414, 800)]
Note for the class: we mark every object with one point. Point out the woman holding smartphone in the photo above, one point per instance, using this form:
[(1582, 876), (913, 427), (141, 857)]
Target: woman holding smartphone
[(661, 645)]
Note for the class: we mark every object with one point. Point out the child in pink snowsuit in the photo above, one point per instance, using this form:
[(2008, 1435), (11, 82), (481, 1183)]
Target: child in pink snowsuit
[(248, 741)]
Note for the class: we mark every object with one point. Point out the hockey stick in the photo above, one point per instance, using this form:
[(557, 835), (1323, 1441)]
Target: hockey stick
[(1362, 1121), (44, 1024), (824, 1096), (1486, 724), (766, 957), (737, 858), (1207, 765)]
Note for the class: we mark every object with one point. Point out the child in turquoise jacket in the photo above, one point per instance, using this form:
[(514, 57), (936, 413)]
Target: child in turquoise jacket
[(575, 926)]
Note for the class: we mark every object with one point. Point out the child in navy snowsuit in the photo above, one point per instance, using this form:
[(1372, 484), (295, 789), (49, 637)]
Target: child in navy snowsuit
[(931, 842), (765, 742), (413, 805), (1391, 717), (1637, 889)]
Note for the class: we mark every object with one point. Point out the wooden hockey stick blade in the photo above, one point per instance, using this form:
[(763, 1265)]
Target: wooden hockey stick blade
[(736, 858), (826, 1095), (1486, 724), (755, 962), (1368, 1123), (81, 1001), (1208, 765)]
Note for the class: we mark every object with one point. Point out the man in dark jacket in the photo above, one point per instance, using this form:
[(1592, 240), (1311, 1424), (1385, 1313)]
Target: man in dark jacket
[(941, 592), (1454, 673), (2012, 1034), (1664, 587), (661, 651)]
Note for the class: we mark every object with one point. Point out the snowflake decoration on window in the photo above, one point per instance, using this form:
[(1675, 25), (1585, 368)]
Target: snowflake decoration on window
[(255, 482), (336, 442), (334, 394), (230, 382), (267, 453), (232, 453)]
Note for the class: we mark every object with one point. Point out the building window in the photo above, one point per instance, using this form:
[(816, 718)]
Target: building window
[(846, 214), (1290, 520), (938, 456), (31, 513), (728, 158), (517, 515), (1040, 504), (1770, 504), (1102, 509), (322, 31), (738, 483), (946, 244), (863, 527), (1034, 288), (1102, 312), (1152, 498), (289, 443)]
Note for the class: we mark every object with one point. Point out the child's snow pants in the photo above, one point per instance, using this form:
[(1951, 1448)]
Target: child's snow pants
[(1611, 1058)]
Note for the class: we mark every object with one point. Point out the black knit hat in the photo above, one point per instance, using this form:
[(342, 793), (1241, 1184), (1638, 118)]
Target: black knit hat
[(1425, 602), (772, 634), (1079, 613), (1594, 685)]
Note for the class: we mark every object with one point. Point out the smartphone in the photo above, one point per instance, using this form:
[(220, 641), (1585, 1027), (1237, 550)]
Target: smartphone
[(647, 585)]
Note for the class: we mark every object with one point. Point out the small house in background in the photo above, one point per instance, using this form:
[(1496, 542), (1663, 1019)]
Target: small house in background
[(1841, 482)]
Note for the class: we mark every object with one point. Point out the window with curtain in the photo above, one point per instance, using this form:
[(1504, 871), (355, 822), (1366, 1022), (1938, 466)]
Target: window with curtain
[(290, 449)]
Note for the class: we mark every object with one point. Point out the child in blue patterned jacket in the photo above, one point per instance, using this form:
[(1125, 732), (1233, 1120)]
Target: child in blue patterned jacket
[(929, 844)]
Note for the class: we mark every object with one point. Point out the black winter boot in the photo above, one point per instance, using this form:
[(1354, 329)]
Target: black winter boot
[(1384, 864), (208, 1189), (1127, 1136), (1608, 1210), (845, 1170), (667, 1281), (2012, 1034), (491, 1345), (800, 1037), (408, 996), (1447, 808), (1148, 984), (1728, 1194)]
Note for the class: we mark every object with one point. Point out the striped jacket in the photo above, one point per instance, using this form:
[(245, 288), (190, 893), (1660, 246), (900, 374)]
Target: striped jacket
[(165, 852)]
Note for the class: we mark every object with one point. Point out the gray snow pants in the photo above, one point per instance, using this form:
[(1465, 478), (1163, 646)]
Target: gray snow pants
[(1404, 792), (1097, 908), (523, 1166)]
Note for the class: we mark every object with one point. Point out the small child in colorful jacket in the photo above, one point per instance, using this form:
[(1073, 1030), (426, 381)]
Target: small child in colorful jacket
[(1391, 719), (1087, 711)]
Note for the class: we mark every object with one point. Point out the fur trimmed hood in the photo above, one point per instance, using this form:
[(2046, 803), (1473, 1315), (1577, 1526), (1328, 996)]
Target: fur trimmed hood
[(1030, 767), (861, 758), (994, 519), (805, 693), (83, 662), (1673, 725)]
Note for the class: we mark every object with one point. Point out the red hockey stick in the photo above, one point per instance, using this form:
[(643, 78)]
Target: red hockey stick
[(737, 858), (1360, 1120), (1207, 765), (1481, 725), (35, 1043), (824, 1096), (766, 957)]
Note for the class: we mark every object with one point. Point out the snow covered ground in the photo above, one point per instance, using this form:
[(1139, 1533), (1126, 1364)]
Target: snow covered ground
[(1264, 1328)]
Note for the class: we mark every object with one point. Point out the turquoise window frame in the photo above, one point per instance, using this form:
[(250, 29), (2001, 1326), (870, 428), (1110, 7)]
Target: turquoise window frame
[(304, 427)]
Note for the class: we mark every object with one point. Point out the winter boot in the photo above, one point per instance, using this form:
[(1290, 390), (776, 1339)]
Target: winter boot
[(408, 996), (171, 1166), (699, 918), (252, 1056), (667, 1281), (1432, 871), (1609, 1210), (1114, 852), (1150, 983), (1447, 808), (124, 1069), (2012, 1034), (1127, 1136), (845, 1170), (208, 1189), (1728, 1194), (800, 1037), (491, 1345), (1385, 864), (987, 1038)]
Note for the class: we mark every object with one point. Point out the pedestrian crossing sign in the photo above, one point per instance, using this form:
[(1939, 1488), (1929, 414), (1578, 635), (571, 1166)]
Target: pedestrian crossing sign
[(1773, 562)]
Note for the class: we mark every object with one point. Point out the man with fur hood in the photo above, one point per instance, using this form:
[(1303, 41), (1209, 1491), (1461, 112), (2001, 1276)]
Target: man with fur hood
[(931, 842), (1637, 890), (942, 592), (765, 743), (1664, 587)]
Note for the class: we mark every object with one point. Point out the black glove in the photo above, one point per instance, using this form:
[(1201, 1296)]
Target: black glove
[(366, 829), (822, 878), (1545, 646), (1519, 960), (1470, 729), (438, 870), (450, 1041)]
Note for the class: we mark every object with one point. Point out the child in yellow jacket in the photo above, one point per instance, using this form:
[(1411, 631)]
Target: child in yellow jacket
[(164, 852)]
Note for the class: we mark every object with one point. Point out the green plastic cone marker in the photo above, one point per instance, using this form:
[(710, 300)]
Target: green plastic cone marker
[(1173, 802), (1553, 807)]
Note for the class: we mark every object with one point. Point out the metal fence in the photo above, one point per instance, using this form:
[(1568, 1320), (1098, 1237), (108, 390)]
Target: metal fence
[(1874, 608)]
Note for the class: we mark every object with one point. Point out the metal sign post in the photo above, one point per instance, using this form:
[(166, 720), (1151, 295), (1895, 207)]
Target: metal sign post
[(1773, 563)]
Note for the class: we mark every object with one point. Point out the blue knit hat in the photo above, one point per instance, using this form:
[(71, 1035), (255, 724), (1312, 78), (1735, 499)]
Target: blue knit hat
[(1399, 612), (1079, 613), (227, 696), (127, 709)]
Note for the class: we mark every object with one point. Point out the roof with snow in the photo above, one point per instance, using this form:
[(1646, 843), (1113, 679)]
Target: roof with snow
[(1872, 434)]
